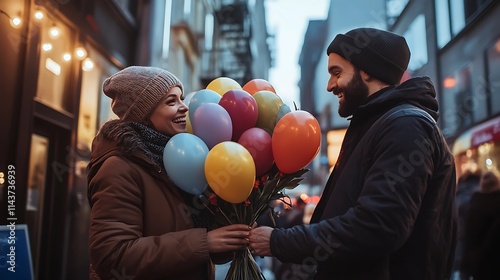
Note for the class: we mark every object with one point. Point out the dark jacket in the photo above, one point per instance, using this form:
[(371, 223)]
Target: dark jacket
[(387, 208), (140, 226), (482, 232)]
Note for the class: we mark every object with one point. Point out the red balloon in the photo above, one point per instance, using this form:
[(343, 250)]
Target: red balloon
[(242, 109), (259, 143), (256, 85), (296, 141)]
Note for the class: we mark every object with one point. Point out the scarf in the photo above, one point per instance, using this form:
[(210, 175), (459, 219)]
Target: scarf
[(154, 140)]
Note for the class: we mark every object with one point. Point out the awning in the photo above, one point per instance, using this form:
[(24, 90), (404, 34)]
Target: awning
[(488, 131)]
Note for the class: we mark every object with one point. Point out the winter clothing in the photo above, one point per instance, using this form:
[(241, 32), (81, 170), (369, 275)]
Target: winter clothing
[(466, 186), (387, 208), (137, 90), (482, 229), (140, 225), (382, 54)]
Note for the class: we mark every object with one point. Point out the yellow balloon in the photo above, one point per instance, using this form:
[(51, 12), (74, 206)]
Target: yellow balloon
[(269, 104), (230, 171), (223, 84)]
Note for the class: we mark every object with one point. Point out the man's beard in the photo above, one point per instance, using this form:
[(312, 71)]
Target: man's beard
[(355, 94)]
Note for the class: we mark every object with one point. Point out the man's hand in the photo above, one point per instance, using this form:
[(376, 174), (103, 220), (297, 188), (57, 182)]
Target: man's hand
[(260, 238)]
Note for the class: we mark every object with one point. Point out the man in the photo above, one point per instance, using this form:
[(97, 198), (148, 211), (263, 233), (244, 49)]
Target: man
[(387, 209)]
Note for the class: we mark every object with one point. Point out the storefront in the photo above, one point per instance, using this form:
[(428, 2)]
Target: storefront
[(478, 149)]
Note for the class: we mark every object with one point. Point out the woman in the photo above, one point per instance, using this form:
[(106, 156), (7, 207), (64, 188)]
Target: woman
[(142, 226)]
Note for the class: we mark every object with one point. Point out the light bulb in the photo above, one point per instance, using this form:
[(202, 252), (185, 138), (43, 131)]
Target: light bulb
[(67, 56), (16, 22), (38, 15), (54, 32), (87, 64), (80, 53), (47, 47)]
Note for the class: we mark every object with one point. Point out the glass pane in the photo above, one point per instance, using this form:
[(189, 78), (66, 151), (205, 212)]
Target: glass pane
[(457, 95), (56, 50), (36, 188), (417, 41), (91, 117), (394, 9), (442, 22), (457, 16), (494, 77)]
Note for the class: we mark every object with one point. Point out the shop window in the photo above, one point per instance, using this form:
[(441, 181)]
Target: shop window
[(493, 61), (459, 99), (93, 114), (54, 76), (489, 157)]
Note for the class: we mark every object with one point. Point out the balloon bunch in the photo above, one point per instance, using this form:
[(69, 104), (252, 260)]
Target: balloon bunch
[(246, 145), (235, 135)]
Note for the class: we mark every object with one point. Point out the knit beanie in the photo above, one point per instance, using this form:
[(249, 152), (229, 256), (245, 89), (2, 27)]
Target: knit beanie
[(137, 90), (382, 54)]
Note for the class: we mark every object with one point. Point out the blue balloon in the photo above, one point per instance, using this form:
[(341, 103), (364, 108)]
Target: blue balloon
[(184, 160), (201, 97), (284, 109)]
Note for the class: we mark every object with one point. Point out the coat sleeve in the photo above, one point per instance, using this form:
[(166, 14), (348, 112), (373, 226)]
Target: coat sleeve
[(386, 209), (116, 242)]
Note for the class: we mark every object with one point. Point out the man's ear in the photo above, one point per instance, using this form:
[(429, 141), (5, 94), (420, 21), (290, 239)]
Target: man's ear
[(365, 76)]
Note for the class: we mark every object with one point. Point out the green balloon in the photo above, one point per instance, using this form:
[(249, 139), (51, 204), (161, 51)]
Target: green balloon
[(269, 104)]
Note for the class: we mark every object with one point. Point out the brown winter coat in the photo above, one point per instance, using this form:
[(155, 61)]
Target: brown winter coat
[(140, 227)]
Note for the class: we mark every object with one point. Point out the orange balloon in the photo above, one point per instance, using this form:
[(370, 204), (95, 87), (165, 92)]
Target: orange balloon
[(296, 141), (256, 85), (222, 85)]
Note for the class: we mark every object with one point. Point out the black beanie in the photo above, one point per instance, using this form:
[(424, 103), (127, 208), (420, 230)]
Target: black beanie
[(381, 54)]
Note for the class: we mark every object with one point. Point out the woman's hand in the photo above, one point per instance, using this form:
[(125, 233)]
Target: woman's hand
[(228, 238)]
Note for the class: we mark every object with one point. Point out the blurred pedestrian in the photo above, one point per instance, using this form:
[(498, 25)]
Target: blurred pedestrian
[(142, 226), (467, 184), (387, 210), (481, 257)]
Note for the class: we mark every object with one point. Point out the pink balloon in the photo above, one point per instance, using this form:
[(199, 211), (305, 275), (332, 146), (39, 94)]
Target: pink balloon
[(242, 108), (259, 143), (212, 124)]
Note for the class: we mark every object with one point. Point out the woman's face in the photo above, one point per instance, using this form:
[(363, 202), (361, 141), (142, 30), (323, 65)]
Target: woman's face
[(169, 118)]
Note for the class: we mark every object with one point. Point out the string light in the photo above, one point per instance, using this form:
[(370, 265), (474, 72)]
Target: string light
[(14, 21)]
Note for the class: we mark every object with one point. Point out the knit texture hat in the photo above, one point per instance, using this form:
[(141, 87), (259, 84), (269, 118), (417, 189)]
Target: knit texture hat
[(137, 90), (381, 54)]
